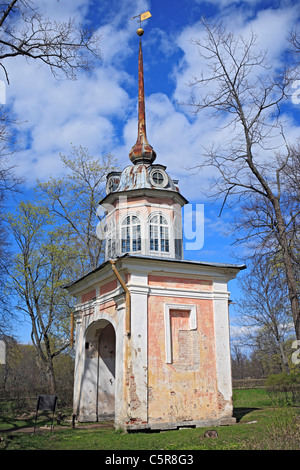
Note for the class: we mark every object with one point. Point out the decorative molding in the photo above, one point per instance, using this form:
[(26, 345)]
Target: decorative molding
[(192, 323), (188, 294)]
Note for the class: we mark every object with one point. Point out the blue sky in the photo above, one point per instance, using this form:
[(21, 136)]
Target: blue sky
[(99, 110)]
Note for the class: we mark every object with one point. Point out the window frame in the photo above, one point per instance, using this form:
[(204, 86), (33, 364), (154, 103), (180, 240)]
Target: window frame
[(133, 242), (178, 241), (164, 176), (111, 239), (161, 229)]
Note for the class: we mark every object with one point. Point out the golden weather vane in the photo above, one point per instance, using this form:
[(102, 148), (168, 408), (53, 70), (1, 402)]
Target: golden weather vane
[(141, 17)]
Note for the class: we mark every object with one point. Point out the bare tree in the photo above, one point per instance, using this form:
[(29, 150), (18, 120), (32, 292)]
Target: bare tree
[(263, 310), (63, 46), (256, 221), (294, 39), (239, 363), (245, 94)]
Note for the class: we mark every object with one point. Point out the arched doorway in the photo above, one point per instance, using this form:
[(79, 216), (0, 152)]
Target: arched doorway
[(106, 373), (100, 370)]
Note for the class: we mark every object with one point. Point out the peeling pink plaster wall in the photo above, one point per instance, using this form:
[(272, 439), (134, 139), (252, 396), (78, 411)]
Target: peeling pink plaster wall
[(184, 390)]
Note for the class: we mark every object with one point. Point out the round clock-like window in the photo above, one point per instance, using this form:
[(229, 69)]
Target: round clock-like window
[(158, 178)]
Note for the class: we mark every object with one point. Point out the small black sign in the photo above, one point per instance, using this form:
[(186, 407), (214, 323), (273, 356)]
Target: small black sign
[(46, 403)]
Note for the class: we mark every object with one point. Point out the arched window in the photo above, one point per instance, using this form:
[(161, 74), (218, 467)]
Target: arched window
[(111, 239), (131, 234), (159, 233), (178, 237)]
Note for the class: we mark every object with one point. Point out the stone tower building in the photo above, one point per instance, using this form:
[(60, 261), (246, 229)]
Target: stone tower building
[(152, 330)]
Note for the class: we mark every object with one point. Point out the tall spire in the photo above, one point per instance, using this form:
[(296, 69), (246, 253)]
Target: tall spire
[(141, 152)]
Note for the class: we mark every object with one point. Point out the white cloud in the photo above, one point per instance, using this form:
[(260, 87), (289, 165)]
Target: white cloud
[(97, 110), (53, 114), (89, 111), (272, 27), (118, 28), (62, 10), (226, 3), (65, 113), (177, 141)]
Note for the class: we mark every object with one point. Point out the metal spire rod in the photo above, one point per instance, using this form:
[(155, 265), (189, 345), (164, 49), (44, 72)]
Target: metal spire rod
[(142, 151)]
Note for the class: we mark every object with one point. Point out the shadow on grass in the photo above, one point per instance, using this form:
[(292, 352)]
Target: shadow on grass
[(20, 424), (14, 425), (239, 413)]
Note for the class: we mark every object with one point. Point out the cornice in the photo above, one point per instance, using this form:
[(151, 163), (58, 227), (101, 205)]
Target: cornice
[(148, 192)]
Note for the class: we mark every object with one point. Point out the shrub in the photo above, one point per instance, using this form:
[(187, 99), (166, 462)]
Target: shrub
[(284, 388)]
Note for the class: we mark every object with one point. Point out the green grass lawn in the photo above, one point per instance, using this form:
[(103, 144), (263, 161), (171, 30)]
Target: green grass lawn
[(260, 425)]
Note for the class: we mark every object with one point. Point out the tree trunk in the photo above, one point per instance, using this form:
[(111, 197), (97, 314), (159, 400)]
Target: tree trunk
[(282, 238), (51, 379), (284, 360), (289, 269)]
